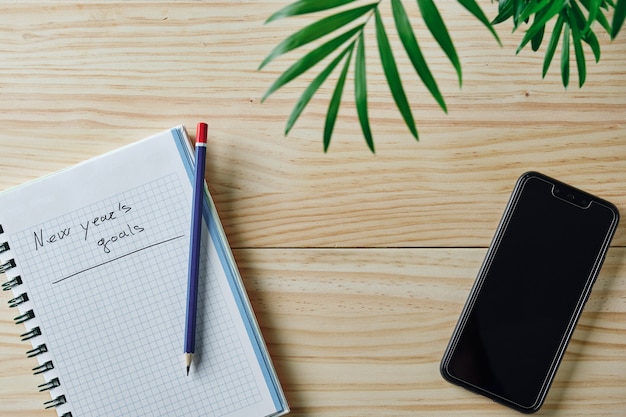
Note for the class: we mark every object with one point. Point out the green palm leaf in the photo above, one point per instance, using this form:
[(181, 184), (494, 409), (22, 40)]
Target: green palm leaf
[(592, 41), (310, 59), (531, 8), (414, 52), (474, 9), (600, 17), (505, 11), (594, 9), (580, 56), (535, 42), (565, 55), (618, 17), (573, 25), (306, 6), (392, 75), (578, 23), (555, 7), (519, 9), (435, 24), (316, 31), (335, 101), (554, 40), (312, 88), (360, 92), (567, 12)]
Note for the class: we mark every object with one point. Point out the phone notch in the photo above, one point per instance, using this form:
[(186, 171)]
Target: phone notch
[(571, 195), (526, 300)]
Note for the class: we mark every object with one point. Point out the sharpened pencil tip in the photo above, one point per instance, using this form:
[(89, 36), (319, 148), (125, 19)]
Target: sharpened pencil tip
[(188, 357)]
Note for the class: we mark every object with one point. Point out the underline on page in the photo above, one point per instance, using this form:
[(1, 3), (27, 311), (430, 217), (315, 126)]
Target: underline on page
[(115, 259)]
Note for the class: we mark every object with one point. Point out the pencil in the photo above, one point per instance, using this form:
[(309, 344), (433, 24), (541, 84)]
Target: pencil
[(194, 245)]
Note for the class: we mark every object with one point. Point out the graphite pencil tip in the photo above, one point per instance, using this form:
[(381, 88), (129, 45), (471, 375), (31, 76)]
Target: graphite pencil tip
[(188, 357)]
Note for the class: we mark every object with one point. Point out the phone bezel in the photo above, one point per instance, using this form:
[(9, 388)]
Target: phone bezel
[(574, 196)]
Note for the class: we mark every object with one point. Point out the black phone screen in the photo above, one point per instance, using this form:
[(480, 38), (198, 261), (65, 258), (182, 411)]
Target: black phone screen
[(530, 291)]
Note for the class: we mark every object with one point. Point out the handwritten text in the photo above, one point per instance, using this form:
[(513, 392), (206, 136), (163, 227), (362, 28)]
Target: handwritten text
[(128, 232), (89, 226)]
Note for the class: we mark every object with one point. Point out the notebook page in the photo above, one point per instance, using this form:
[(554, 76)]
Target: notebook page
[(107, 275)]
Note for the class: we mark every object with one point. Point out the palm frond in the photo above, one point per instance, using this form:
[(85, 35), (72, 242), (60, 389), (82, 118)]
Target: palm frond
[(554, 8), (573, 27), (596, 11), (565, 55), (351, 22), (592, 41), (360, 92), (578, 52), (391, 73), (437, 27), (409, 41), (311, 59), (312, 88), (618, 17), (506, 10), (305, 7), (475, 9), (574, 21), (335, 101), (554, 40), (317, 30)]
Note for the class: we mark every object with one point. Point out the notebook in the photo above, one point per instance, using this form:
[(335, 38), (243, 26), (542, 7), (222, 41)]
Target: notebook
[(96, 256)]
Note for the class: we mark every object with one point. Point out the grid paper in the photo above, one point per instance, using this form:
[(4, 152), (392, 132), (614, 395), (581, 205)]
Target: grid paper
[(109, 288)]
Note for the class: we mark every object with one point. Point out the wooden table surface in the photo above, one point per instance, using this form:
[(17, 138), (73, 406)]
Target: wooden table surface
[(357, 265)]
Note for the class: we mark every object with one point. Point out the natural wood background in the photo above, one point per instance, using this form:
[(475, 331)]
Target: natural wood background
[(357, 265)]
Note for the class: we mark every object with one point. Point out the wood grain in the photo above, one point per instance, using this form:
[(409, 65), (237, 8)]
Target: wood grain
[(358, 264), (360, 332), (78, 80)]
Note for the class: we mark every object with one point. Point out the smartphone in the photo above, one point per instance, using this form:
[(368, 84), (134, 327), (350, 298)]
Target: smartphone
[(530, 291)]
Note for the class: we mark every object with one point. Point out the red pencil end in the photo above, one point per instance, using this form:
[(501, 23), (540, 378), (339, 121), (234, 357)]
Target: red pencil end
[(201, 132)]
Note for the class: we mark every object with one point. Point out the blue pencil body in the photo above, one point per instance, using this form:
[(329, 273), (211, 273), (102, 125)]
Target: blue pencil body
[(194, 248)]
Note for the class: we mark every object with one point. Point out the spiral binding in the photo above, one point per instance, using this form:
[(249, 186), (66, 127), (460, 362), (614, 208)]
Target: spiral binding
[(24, 317), (53, 383), (11, 284), (5, 267), (37, 351)]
